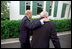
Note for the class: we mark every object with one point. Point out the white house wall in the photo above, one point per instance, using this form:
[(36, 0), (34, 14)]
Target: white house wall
[(60, 4), (59, 9), (15, 9), (70, 14)]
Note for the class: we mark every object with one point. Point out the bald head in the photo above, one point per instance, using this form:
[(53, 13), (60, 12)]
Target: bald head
[(44, 14), (28, 13)]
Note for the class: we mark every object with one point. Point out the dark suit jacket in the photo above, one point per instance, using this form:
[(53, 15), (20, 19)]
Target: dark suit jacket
[(42, 35), (25, 27)]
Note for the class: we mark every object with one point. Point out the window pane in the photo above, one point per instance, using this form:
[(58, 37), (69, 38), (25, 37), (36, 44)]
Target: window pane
[(39, 7), (27, 5), (50, 8)]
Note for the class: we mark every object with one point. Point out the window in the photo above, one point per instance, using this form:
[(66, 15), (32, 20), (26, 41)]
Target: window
[(50, 8), (39, 7), (27, 5)]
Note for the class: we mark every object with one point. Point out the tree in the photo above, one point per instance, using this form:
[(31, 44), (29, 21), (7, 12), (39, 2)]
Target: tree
[(4, 10)]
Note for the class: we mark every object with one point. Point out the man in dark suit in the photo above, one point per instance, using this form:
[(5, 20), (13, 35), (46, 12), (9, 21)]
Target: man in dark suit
[(25, 28), (42, 35)]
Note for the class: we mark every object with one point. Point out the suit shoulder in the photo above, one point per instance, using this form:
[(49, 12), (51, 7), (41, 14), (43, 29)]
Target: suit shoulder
[(52, 23), (24, 18)]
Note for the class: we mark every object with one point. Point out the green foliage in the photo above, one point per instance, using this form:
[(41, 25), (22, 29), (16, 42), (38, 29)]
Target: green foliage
[(62, 25), (4, 10), (11, 29)]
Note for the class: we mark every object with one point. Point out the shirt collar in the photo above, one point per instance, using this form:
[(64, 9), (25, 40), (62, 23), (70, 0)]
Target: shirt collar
[(28, 17)]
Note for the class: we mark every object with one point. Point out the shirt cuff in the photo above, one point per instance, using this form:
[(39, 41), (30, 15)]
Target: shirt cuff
[(42, 22)]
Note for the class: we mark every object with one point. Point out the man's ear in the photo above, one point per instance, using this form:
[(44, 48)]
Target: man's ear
[(46, 16)]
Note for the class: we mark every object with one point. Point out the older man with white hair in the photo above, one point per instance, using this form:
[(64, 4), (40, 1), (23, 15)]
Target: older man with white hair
[(44, 14), (42, 35), (26, 26)]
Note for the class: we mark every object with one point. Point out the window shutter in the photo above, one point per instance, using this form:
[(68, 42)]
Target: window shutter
[(63, 10), (22, 7), (47, 6), (34, 8), (55, 8)]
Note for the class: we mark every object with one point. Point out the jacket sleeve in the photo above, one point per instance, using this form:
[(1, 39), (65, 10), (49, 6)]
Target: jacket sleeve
[(54, 38), (32, 25)]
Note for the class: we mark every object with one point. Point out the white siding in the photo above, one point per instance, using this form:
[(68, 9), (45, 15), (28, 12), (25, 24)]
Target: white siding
[(15, 10)]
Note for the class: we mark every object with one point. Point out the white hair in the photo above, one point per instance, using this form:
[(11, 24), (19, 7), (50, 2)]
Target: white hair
[(44, 13)]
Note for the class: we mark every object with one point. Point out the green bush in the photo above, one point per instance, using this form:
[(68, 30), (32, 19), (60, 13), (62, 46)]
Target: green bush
[(10, 28), (62, 25), (4, 10), (4, 18)]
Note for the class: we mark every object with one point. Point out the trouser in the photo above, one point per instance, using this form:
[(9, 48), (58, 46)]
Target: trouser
[(25, 45)]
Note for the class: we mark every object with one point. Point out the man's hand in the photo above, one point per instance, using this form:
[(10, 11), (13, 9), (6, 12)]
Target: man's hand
[(45, 19)]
